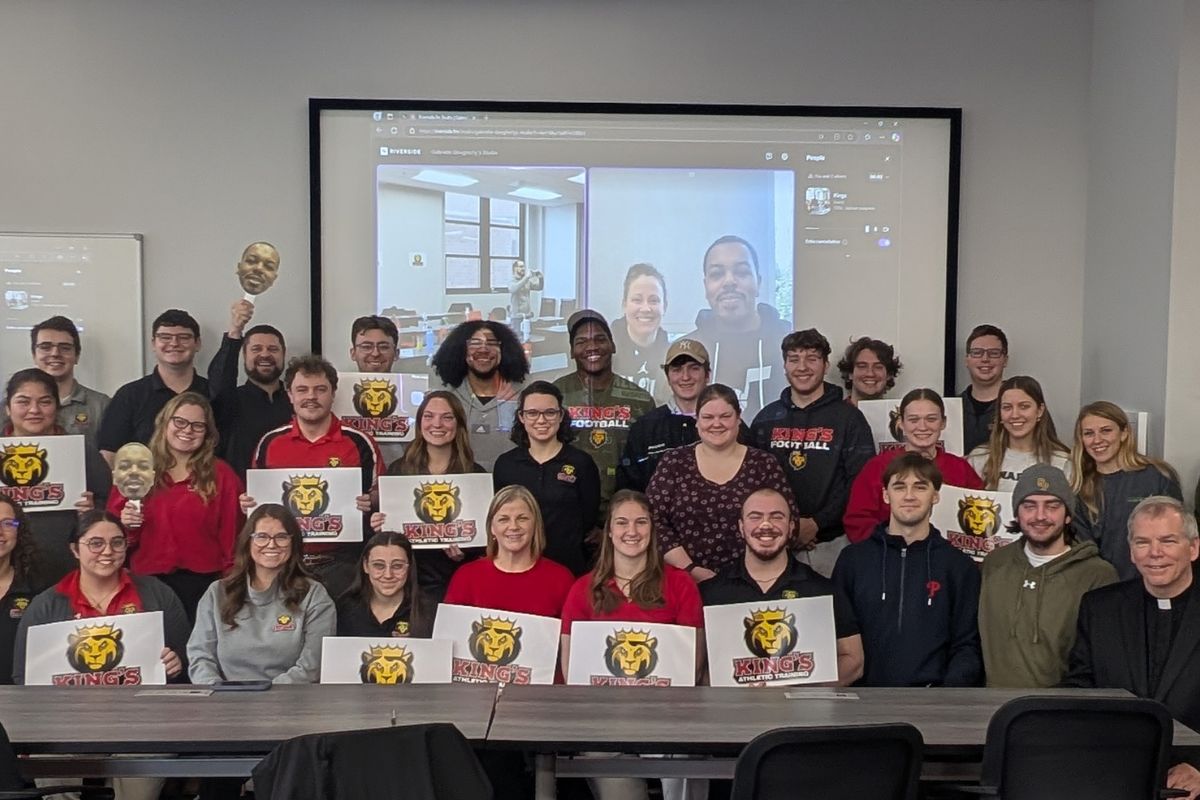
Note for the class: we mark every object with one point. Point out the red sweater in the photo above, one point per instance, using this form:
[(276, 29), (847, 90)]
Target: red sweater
[(540, 590), (180, 530), (866, 508), (681, 606)]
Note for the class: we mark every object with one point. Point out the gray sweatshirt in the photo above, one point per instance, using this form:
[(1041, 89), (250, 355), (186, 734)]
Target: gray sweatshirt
[(489, 426), (271, 642)]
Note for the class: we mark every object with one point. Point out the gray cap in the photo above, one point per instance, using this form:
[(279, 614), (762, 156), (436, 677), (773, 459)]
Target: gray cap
[(1043, 479), (587, 315)]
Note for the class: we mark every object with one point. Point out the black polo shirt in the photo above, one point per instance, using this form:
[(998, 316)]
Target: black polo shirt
[(734, 585), (567, 489), (130, 415), (12, 606), (355, 618), (244, 413)]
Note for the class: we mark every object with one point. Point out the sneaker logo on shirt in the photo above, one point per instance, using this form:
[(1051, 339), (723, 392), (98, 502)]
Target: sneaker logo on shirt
[(284, 622), (1029, 585)]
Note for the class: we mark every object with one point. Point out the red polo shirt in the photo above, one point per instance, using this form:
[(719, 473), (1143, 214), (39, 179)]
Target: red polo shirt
[(125, 601)]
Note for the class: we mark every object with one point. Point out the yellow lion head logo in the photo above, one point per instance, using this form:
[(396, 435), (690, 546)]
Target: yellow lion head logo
[(495, 641), (375, 398), (386, 664), (95, 648), (23, 465), (598, 437), (306, 495), (770, 632), (894, 424), (798, 460), (436, 502), (631, 654), (978, 516)]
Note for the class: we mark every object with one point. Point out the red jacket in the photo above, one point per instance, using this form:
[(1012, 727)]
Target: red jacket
[(866, 508)]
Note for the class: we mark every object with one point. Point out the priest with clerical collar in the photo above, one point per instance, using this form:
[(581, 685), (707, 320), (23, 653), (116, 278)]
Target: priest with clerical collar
[(1143, 634)]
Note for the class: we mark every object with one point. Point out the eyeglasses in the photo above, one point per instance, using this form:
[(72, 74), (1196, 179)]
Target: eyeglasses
[(177, 338), (483, 344), (10, 524), (380, 567), (374, 347), (979, 352), (179, 424), (96, 545), (548, 414), (261, 539), (65, 348)]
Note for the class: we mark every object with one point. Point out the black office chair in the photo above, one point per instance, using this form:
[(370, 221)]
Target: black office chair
[(547, 309), (413, 762), (1048, 748), (14, 787), (882, 762), (567, 307)]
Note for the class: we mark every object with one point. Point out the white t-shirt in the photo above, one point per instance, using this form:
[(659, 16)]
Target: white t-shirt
[(1015, 462)]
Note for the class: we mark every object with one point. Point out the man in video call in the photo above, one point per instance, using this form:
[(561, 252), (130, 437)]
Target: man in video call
[(741, 334), (602, 404)]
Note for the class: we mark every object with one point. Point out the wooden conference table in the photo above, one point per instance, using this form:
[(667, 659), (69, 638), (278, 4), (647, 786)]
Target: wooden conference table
[(226, 733)]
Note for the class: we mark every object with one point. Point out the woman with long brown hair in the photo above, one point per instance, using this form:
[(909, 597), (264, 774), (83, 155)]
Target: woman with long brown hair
[(384, 599), (266, 619), (20, 579), (184, 531), (1023, 434), (1109, 477)]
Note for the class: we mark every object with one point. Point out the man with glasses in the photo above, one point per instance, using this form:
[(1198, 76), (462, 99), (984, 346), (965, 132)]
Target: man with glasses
[(175, 338), (373, 342), (483, 363), (56, 351), (987, 356)]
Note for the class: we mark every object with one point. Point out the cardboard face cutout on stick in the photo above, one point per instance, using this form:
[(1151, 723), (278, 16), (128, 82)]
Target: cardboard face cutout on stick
[(133, 472), (258, 269)]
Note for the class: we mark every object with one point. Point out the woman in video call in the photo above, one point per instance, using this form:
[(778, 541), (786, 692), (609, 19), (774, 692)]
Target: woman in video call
[(638, 335)]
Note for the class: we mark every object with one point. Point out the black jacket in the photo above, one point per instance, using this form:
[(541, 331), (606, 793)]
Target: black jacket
[(655, 433), (822, 448), (917, 608), (243, 413), (976, 427), (749, 362)]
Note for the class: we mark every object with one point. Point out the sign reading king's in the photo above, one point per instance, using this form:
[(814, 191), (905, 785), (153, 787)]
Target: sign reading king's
[(321, 498), (780, 642), (437, 510), (383, 404), (42, 473), (122, 650)]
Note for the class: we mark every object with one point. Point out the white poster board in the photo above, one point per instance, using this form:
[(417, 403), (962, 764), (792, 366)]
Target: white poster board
[(321, 498), (632, 654), (365, 659), (778, 642), (382, 404), (437, 510), (498, 646), (883, 417), (121, 650), (974, 520), (42, 473)]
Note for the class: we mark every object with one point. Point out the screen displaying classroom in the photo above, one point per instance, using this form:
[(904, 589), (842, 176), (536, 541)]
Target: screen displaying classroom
[(421, 212)]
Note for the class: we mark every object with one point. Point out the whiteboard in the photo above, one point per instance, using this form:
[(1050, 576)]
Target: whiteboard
[(95, 280)]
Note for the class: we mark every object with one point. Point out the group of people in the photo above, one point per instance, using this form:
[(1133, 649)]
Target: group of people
[(609, 506)]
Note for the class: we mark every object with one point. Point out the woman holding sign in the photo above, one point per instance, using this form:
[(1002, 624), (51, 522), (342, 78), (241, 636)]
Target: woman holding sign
[(384, 600), (922, 420), (183, 532), (1024, 436), (32, 403), (441, 447)]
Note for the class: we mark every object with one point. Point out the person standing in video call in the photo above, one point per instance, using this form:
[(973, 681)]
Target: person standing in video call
[(740, 333), (638, 336)]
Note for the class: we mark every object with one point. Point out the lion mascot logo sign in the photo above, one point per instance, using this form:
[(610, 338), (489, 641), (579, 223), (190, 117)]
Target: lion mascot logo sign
[(894, 424), (495, 641), (23, 465), (386, 664), (978, 516), (306, 495), (771, 632), (95, 648), (375, 398), (436, 502), (631, 654)]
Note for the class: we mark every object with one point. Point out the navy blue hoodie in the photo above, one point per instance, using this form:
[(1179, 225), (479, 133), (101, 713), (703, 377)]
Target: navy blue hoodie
[(917, 607)]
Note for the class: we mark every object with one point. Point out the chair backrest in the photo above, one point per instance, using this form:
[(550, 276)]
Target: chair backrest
[(1053, 747), (10, 773), (567, 307), (882, 762), (547, 307), (459, 308)]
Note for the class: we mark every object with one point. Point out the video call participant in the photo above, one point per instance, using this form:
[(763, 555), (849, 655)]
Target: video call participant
[(769, 571), (1141, 635), (184, 531), (739, 332), (373, 343), (1110, 476), (440, 447), (1032, 587), (916, 597), (20, 578), (244, 413), (317, 438), (384, 599), (515, 575), (56, 351), (175, 337), (602, 404), (987, 356), (483, 364), (562, 478), (640, 341), (520, 290), (821, 442), (266, 619), (697, 492), (1024, 436), (922, 420), (869, 369), (31, 403)]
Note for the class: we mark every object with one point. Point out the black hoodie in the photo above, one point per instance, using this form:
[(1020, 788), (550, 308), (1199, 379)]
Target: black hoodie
[(821, 447), (749, 362), (917, 608)]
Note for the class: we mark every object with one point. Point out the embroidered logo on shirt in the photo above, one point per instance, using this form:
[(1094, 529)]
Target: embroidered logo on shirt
[(790, 594), (81, 418), (334, 461), (933, 587), (284, 622), (598, 437), (1029, 585), (567, 474), (798, 460), (18, 607), (129, 608), (401, 629)]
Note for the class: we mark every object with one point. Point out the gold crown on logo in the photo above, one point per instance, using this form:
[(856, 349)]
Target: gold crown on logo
[(96, 630), (435, 487), (387, 651)]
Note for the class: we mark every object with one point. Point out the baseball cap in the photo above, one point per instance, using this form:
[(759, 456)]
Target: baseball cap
[(587, 315), (1043, 479), (686, 347)]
